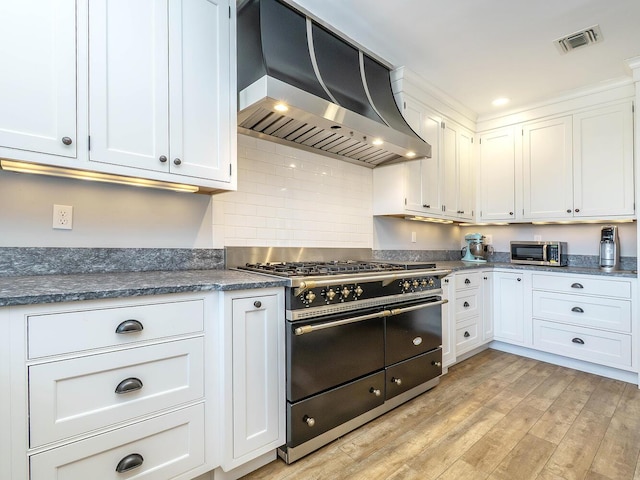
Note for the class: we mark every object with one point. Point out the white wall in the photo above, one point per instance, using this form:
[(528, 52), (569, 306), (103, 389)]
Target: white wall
[(583, 239), (104, 215), (390, 233), (291, 197)]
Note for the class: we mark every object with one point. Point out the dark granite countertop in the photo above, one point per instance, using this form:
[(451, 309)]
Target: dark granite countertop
[(459, 265), (28, 290)]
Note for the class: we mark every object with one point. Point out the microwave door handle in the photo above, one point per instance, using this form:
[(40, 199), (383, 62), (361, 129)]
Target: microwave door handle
[(544, 253)]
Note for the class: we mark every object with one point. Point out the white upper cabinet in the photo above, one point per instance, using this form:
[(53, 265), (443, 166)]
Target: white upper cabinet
[(160, 86), (547, 169), (603, 162), (38, 83), (497, 175)]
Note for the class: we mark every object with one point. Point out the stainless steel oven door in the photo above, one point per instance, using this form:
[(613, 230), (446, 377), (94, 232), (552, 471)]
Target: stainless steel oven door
[(328, 352)]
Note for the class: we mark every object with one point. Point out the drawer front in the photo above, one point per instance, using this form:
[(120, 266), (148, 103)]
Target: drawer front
[(467, 336), (607, 313), (333, 408), (169, 445), (607, 348), (467, 280), (71, 397), (406, 375), (467, 304), (58, 333), (583, 286)]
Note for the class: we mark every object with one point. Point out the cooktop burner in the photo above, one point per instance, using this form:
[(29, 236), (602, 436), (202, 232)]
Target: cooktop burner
[(338, 267)]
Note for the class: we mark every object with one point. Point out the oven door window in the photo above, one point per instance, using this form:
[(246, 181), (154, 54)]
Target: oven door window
[(527, 252), (333, 352)]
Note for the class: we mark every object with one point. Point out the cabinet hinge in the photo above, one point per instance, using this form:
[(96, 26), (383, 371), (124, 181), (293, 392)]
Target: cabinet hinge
[(633, 108), (522, 132), (89, 142), (471, 139), (480, 141), (230, 171), (442, 125), (405, 105), (405, 201), (229, 11)]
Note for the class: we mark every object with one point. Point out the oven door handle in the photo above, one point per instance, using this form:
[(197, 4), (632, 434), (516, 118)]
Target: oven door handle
[(398, 311), (313, 328)]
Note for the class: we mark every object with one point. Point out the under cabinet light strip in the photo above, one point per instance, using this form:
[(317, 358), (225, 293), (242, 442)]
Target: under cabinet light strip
[(24, 167)]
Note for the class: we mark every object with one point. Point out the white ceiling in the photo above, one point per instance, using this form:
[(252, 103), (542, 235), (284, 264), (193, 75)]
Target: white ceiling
[(477, 50)]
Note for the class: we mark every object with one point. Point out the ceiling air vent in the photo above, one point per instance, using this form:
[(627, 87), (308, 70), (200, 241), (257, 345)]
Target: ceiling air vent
[(579, 39)]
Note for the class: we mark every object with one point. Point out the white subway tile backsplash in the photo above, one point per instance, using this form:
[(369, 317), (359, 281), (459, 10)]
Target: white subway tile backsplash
[(291, 197)]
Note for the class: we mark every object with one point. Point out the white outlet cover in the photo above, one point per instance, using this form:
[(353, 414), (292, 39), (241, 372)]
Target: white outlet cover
[(488, 239), (62, 217)]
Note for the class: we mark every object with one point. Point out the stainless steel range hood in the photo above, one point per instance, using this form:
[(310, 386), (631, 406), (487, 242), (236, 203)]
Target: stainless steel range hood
[(304, 85)]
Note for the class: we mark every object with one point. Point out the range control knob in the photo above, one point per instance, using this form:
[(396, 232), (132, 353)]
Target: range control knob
[(310, 296), (345, 292), (423, 283), (431, 282), (358, 291), (406, 285), (415, 284), (330, 294)]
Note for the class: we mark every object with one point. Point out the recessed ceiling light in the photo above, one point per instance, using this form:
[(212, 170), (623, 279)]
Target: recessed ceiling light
[(411, 154), (377, 142), (498, 102), (281, 107)]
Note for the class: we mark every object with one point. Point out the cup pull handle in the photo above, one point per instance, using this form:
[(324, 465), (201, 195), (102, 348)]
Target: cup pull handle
[(129, 385), (129, 326), (578, 340), (129, 462), (465, 304), (576, 285), (577, 310)]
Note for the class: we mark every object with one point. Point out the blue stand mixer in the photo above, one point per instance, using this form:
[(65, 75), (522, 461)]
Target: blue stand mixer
[(474, 251)]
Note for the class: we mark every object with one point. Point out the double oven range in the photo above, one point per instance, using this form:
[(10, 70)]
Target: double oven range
[(362, 337)]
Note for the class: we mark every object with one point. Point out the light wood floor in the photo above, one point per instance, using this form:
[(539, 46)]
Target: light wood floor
[(494, 416)]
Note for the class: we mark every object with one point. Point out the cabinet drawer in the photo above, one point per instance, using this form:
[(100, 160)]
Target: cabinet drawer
[(467, 280), (607, 313), (467, 304), (583, 286), (467, 336), (169, 445), (71, 397), (607, 348), (58, 333)]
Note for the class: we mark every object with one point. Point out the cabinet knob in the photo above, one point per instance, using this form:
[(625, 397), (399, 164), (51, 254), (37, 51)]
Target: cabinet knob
[(129, 462), (465, 304), (577, 210), (67, 140), (578, 341), (129, 385), (577, 310), (375, 391), (129, 326), (576, 285), (467, 281), (310, 421), (436, 364), (467, 334), (519, 279), (257, 304), (511, 213), (568, 210), (177, 161), (426, 206), (397, 381), (163, 158), (486, 278), (446, 280)]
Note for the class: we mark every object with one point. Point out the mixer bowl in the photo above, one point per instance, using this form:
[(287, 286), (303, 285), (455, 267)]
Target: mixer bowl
[(476, 249)]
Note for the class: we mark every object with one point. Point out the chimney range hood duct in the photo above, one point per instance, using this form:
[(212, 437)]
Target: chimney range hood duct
[(338, 98)]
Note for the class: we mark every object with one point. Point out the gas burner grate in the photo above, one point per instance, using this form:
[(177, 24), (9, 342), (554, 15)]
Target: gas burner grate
[(337, 267)]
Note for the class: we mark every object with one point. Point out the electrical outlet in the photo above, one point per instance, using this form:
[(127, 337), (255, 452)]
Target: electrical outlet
[(488, 239), (62, 217), (413, 237)]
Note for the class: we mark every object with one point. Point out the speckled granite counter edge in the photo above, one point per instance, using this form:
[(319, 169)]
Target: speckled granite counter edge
[(455, 266), (37, 289)]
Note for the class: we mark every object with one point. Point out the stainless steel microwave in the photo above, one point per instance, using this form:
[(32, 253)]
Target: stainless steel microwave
[(552, 254)]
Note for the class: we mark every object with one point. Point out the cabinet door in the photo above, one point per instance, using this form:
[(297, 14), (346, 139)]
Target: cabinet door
[(448, 324), (423, 177), (258, 373), (465, 175), (38, 84), (128, 87), (547, 169), (200, 88), (603, 161), (497, 164), (450, 170), (508, 307), (487, 306)]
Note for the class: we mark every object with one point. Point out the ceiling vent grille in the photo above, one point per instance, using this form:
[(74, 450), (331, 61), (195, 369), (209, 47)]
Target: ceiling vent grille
[(579, 39)]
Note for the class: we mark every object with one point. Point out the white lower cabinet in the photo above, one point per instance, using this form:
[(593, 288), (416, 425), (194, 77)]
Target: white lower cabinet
[(254, 375), (508, 306), (102, 387), (468, 310), (448, 324), (584, 317)]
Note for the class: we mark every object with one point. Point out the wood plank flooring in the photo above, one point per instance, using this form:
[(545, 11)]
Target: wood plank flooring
[(495, 416)]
